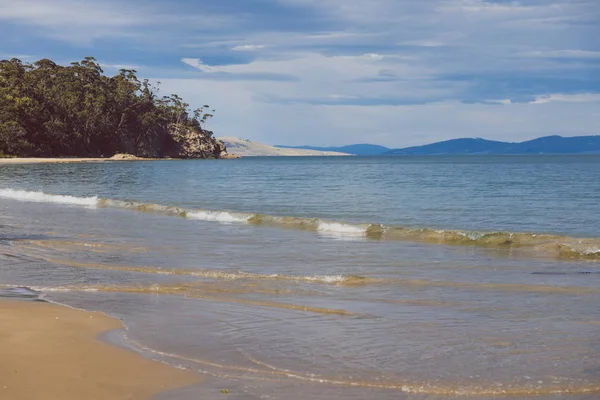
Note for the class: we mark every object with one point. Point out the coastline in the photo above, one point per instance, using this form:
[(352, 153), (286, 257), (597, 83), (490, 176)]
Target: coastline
[(51, 351), (33, 160)]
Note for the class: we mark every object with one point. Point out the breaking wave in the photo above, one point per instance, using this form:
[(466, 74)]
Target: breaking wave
[(218, 216), (525, 243), (336, 228), (41, 197)]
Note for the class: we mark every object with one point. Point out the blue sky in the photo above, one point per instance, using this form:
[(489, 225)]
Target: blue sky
[(334, 72)]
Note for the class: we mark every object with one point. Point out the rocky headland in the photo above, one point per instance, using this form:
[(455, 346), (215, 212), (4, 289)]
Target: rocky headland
[(53, 111)]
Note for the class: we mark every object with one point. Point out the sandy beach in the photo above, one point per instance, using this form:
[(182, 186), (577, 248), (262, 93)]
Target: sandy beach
[(26, 160), (42, 160), (36, 160), (51, 352)]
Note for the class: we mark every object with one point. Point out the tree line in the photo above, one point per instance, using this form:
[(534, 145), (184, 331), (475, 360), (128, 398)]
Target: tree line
[(50, 110)]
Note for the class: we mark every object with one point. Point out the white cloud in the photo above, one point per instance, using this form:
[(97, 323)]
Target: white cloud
[(249, 47), (75, 22), (57, 13), (316, 67), (423, 43), (337, 35), (373, 53), (19, 56), (372, 56), (342, 97), (82, 22), (502, 101), (489, 40), (198, 64), (119, 66), (568, 98), (238, 114), (561, 54), (482, 6)]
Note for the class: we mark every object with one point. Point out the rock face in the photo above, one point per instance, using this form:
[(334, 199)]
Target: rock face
[(188, 142), (124, 156)]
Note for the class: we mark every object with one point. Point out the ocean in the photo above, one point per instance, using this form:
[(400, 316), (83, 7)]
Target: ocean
[(326, 277)]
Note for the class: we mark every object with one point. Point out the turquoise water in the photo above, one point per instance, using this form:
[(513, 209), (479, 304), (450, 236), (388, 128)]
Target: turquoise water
[(326, 278)]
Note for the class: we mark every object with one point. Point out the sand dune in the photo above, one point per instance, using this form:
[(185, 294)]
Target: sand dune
[(245, 148)]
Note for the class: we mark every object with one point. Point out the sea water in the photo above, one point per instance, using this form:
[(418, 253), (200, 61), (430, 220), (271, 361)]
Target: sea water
[(326, 277)]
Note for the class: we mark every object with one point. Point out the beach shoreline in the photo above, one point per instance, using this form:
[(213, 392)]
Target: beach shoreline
[(26, 160), (60, 160), (66, 160), (52, 352)]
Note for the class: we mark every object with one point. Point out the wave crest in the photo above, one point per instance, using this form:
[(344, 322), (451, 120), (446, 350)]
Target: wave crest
[(340, 228), (536, 244), (218, 216), (41, 197)]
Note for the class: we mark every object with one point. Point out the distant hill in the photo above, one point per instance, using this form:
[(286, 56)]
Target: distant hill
[(363, 149), (247, 148), (543, 145)]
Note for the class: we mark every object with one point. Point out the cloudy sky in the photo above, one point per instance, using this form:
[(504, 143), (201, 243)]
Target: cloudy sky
[(334, 72)]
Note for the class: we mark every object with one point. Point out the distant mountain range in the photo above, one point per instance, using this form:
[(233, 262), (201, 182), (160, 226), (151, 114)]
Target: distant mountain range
[(543, 145)]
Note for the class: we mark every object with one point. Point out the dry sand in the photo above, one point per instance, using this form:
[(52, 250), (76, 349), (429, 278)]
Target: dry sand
[(25, 160), (117, 157), (51, 352), (40, 160), (247, 148)]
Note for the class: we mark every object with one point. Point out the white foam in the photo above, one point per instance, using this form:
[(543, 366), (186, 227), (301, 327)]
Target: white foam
[(336, 228), (590, 251), (333, 279), (41, 197), (60, 289), (326, 278), (470, 235), (218, 216)]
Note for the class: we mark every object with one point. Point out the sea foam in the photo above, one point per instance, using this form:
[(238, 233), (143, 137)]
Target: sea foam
[(337, 228), (42, 197), (218, 216)]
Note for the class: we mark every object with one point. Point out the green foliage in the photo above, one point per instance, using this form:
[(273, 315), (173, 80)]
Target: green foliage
[(49, 110)]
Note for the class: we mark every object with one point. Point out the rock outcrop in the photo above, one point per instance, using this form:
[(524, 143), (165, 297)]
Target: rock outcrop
[(126, 157), (188, 142)]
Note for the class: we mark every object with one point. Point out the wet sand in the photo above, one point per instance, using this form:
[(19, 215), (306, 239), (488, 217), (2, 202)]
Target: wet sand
[(52, 352)]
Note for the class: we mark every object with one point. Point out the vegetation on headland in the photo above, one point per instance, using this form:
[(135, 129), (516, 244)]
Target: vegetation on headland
[(49, 110)]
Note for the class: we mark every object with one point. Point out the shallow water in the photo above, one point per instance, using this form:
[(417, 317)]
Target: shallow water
[(327, 278)]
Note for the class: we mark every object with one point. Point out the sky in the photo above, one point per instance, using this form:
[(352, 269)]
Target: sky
[(335, 72)]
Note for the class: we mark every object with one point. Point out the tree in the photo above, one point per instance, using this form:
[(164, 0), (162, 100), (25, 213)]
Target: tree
[(51, 110)]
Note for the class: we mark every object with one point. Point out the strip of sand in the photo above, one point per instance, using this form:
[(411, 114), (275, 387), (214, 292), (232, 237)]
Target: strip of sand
[(26, 160), (42, 160), (51, 352), (118, 157)]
